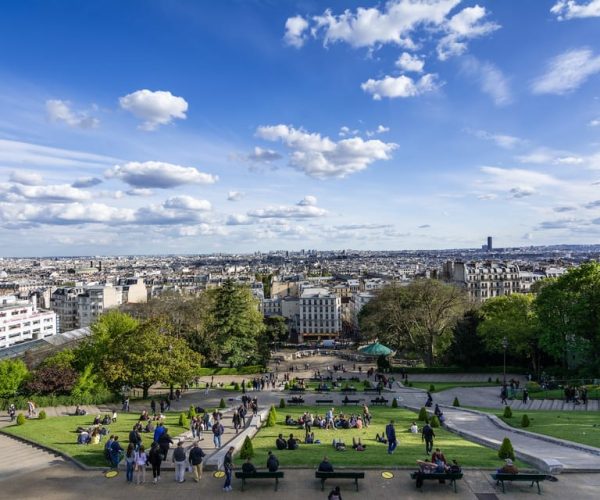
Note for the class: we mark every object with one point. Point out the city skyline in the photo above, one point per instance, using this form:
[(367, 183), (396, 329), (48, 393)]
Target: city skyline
[(184, 128)]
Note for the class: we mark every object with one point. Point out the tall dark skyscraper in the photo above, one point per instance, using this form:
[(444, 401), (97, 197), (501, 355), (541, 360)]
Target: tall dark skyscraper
[(489, 243)]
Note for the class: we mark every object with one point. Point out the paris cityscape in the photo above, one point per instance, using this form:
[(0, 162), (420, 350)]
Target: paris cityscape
[(327, 249)]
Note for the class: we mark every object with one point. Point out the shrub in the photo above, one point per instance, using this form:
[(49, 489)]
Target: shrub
[(410, 384), (236, 386), (435, 422), (431, 388), (456, 402), (192, 412), (497, 380), (286, 387), (247, 450), (183, 420), (489, 380), (533, 387), (507, 412), (524, 421), (506, 450), (366, 384), (394, 403), (42, 415), (423, 414), (272, 417), (282, 403), (222, 404), (20, 419)]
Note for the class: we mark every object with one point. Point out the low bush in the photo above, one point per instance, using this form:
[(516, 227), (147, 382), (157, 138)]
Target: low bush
[(507, 412), (236, 386), (42, 415), (456, 402), (282, 403), (525, 421), (272, 418), (366, 384), (247, 450), (394, 403), (432, 388), (423, 414), (183, 420), (191, 412), (435, 422), (20, 419), (222, 404), (506, 450)]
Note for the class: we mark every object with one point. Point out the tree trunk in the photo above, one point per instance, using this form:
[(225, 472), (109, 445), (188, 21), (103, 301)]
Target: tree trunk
[(145, 389)]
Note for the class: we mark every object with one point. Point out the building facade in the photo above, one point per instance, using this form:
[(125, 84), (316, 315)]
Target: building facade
[(319, 315), (21, 320)]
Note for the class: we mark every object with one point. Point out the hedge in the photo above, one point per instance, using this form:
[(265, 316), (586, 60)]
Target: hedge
[(20, 402), (457, 369), (243, 370)]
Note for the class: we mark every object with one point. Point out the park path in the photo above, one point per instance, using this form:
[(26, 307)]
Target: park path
[(544, 452)]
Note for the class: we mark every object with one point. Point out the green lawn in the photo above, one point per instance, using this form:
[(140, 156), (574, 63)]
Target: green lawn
[(410, 447), (580, 427), (59, 434), (443, 386)]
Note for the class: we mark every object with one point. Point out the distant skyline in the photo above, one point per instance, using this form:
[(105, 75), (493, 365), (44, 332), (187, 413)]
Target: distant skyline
[(183, 127)]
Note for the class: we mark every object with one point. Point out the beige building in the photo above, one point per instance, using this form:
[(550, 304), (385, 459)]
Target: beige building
[(319, 315)]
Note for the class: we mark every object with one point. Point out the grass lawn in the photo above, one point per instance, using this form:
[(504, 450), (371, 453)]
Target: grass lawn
[(581, 427), (443, 386), (59, 434), (410, 447)]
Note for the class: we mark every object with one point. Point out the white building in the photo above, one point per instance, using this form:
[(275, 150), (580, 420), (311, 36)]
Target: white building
[(271, 307), (484, 280), (319, 315), (21, 320), (78, 307)]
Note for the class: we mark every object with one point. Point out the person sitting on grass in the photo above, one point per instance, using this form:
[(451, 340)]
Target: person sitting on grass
[(310, 438), (357, 445), (248, 467), (290, 421), (292, 443), (280, 443), (95, 437), (325, 465), (339, 445), (84, 437), (508, 468), (414, 428), (149, 427), (380, 439)]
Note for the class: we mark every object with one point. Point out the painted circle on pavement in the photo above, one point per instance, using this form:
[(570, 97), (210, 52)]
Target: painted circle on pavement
[(387, 475), (219, 474), (111, 473)]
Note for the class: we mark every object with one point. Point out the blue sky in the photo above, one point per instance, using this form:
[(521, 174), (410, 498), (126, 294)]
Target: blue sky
[(233, 126)]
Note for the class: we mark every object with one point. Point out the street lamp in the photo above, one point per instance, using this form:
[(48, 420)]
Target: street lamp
[(504, 345)]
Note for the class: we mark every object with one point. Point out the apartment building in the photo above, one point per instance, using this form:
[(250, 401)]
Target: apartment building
[(78, 307), (484, 280), (319, 315), (21, 320)]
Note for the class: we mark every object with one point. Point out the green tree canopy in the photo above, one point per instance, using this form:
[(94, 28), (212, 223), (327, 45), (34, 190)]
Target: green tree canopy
[(12, 375)]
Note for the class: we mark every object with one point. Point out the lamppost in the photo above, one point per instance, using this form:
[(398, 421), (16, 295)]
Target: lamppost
[(504, 345)]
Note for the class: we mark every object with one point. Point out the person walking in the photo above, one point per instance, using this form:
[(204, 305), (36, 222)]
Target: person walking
[(195, 458), (155, 459), (217, 430), (390, 433), (130, 462), (427, 435), (141, 458), (228, 466), (179, 460), (153, 406), (525, 395), (503, 395)]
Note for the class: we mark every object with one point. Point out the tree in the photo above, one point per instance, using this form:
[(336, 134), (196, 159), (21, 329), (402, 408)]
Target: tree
[(465, 334), (512, 317), (62, 359), (52, 379), (417, 318), (506, 450), (247, 450), (276, 329), (12, 375), (236, 323)]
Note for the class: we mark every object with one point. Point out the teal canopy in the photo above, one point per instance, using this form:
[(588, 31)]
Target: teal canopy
[(375, 349)]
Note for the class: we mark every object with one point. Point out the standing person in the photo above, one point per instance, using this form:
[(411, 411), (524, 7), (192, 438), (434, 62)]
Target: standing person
[(162, 406), (390, 433), (165, 442), (141, 457), (503, 394), (179, 460), (228, 466), (155, 459), (116, 452), (335, 494), (195, 457), (525, 395), (130, 462), (153, 406), (159, 431), (427, 435), (135, 438), (217, 430)]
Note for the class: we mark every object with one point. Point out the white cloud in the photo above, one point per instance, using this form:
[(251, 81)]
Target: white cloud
[(51, 194), (184, 202), (408, 62), (239, 220), (156, 174), (465, 25), (508, 178), (140, 192), (304, 209), (171, 212), (567, 71), (154, 108), (66, 214), (502, 140), (488, 196), (234, 196), (85, 182), (490, 78), (308, 201), (401, 86), (60, 111), (294, 31), (261, 155), (594, 123), (551, 157), (322, 157), (379, 130), (202, 229), (571, 9), (26, 178)]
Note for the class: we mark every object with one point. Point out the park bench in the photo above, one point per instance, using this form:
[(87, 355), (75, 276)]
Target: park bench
[(379, 402), (533, 478), (259, 475), (323, 476), (324, 401), (349, 389), (295, 401), (440, 476), (347, 401)]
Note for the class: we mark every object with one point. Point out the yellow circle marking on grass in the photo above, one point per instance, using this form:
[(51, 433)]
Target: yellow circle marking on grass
[(111, 473), (219, 474), (387, 475)]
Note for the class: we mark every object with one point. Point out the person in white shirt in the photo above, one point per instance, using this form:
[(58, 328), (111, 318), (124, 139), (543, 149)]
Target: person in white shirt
[(141, 457), (414, 428)]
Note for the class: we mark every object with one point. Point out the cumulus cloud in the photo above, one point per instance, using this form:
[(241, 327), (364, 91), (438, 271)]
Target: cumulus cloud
[(139, 192), (379, 130), (202, 229), (85, 182), (64, 214), (184, 202), (502, 140), (304, 209), (400, 86), (567, 72), (490, 78), (239, 220), (234, 196), (572, 9), (592, 204), (594, 123), (408, 62), (308, 201), (60, 111), (321, 157), (160, 175), (62, 193), (26, 178), (154, 108), (295, 28), (261, 155)]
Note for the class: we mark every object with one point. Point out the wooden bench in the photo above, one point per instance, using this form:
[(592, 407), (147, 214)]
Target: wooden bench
[(379, 402), (324, 401), (323, 476), (346, 402), (259, 475), (440, 476), (295, 401), (533, 478)]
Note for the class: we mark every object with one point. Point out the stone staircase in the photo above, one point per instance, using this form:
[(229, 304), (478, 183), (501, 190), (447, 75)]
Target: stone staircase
[(19, 458)]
